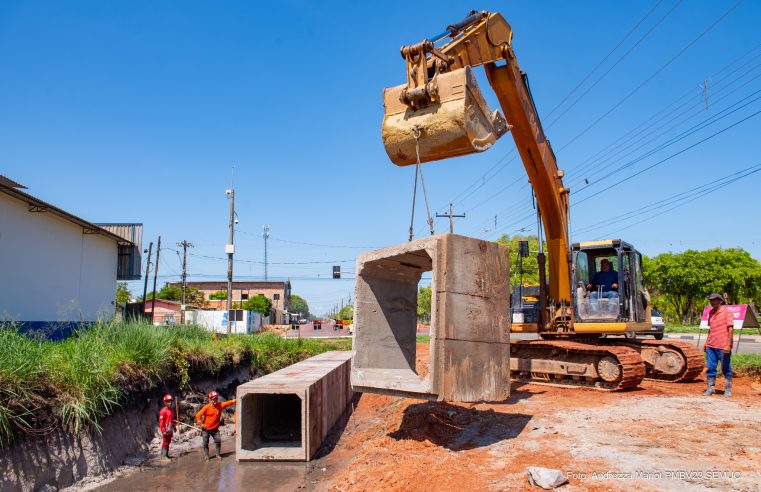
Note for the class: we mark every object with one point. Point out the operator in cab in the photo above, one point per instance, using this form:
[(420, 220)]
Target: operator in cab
[(604, 285)]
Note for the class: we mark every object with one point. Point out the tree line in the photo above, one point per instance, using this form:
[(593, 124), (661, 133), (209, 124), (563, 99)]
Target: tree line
[(678, 282)]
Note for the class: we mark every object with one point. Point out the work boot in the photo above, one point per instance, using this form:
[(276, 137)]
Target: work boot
[(727, 386), (711, 386), (164, 454)]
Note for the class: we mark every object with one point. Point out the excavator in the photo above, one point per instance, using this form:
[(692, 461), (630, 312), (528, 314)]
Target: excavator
[(440, 113)]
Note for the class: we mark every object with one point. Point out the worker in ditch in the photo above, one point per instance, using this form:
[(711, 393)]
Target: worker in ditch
[(718, 346), (209, 418), (166, 426)]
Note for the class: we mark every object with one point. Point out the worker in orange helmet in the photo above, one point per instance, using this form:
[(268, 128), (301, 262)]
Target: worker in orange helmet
[(166, 426), (209, 419)]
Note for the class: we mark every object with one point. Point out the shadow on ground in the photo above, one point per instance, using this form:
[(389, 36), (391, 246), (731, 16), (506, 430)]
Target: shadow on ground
[(458, 428)]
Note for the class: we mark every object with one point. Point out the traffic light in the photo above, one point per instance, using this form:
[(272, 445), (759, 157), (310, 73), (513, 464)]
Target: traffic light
[(336, 271), (523, 249)]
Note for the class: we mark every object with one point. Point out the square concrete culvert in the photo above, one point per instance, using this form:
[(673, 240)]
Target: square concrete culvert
[(469, 351), (286, 415)]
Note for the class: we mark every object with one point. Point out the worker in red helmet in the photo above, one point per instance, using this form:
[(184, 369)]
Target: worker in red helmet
[(209, 419), (166, 425)]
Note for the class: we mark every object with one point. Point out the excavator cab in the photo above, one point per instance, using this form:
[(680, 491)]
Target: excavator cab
[(609, 283)]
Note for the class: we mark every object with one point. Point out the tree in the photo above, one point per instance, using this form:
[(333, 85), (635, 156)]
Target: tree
[(299, 305), (680, 282), (173, 292), (219, 295), (260, 304), (530, 264), (424, 303), (123, 295), (346, 312)]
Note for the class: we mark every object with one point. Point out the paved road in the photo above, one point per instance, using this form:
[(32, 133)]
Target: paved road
[(748, 345)]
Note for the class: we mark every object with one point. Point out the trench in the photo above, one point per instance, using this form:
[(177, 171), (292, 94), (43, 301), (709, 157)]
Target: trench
[(128, 440)]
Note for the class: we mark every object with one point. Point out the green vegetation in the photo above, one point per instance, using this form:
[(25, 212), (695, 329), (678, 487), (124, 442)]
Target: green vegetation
[(747, 365), (680, 282), (173, 292), (423, 338), (424, 303), (260, 304), (123, 295), (530, 265), (300, 305), (346, 313), (77, 381), (219, 295), (669, 328)]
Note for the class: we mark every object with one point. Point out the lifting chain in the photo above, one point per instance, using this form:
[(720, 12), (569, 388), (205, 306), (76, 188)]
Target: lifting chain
[(419, 170)]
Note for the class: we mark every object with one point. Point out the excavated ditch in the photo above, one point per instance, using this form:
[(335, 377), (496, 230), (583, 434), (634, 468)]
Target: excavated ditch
[(62, 458)]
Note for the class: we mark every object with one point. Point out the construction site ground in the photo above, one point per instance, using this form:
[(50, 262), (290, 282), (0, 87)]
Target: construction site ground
[(659, 436)]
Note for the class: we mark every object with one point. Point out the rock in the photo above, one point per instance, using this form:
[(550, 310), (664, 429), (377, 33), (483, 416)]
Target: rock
[(545, 478), (48, 488)]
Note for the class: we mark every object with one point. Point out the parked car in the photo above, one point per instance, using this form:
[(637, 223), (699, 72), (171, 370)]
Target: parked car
[(302, 321), (658, 324)]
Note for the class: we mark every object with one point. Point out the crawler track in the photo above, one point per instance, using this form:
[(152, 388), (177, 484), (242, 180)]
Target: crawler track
[(561, 354), (692, 358)]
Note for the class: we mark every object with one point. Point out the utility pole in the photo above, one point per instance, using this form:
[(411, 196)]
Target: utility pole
[(451, 216), (155, 278), (266, 236), (147, 274), (185, 245), (230, 250)]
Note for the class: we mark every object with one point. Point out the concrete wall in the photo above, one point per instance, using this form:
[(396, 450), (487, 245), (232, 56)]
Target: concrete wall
[(50, 270)]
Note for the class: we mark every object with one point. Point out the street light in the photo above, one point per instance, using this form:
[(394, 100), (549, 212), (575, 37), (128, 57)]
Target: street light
[(230, 250)]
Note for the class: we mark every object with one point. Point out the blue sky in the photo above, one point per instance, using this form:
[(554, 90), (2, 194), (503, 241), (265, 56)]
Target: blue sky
[(137, 112)]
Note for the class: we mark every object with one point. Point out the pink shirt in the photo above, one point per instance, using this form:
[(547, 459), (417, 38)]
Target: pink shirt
[(718, 323)]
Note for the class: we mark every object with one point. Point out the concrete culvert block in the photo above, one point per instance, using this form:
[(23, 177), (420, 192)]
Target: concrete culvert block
[(470, 316), (286, 415)]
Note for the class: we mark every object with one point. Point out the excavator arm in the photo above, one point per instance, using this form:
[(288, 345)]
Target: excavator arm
[(440, 113)]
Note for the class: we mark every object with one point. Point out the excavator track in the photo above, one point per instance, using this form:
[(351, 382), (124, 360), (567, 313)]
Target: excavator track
[(667, 360), (575, 364)]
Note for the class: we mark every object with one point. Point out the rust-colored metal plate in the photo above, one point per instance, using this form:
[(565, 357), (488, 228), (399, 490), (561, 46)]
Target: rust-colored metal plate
[(457, 122)]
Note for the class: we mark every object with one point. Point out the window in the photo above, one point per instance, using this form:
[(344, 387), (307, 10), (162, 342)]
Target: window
[(276, 297), (244, 297)]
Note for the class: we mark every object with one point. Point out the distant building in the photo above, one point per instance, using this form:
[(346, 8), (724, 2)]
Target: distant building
[(279, 292), (57, 270)]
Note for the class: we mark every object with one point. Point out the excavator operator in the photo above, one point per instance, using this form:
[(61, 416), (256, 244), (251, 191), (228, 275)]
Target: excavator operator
[(604, 285)]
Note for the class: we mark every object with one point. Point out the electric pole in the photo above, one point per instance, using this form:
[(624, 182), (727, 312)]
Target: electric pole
[(147, 274), (155, 278), (266, 236), (451, 217), (185, 245), (230, 250)]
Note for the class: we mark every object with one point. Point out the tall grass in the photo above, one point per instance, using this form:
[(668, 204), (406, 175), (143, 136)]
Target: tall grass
[(81, 379)]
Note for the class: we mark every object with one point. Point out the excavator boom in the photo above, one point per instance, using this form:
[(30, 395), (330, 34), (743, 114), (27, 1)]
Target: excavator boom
[(440, 113)]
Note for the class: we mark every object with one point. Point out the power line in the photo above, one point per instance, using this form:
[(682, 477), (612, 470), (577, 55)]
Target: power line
[(274, 263), (651, 77), (628, 52)]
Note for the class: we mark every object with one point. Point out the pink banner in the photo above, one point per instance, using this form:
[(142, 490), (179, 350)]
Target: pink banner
[(739, 311)]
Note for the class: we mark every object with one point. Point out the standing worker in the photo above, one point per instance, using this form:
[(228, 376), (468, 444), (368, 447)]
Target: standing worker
[(166, 426), (209, 419), (718, 346)]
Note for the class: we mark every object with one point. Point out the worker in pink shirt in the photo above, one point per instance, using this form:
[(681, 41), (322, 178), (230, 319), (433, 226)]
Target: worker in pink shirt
[(718, 346)]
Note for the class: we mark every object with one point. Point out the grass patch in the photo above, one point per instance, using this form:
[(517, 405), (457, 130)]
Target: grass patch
[(77, 381), (423, 338), (747, 365), (669, 328)]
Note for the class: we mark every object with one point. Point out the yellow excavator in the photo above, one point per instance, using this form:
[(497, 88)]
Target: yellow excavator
[(590, 289)]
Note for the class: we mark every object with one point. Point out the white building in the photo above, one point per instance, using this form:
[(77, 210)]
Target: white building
[(56, 269)]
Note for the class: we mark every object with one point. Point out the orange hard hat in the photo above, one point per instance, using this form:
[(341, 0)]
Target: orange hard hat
[(168, 397), (213, 395)]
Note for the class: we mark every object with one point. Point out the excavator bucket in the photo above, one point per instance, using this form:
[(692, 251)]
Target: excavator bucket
[(456, 122)]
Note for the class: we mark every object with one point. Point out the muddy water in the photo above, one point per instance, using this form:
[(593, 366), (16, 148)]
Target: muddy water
[(191, 473)]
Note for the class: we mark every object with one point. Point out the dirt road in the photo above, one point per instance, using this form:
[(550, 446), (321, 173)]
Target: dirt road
[(660, 436)]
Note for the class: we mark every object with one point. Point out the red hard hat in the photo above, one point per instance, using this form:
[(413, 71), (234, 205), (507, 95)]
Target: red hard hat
[(168, 398), (213, 394)]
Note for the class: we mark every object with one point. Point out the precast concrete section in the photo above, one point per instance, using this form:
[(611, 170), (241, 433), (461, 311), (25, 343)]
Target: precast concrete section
[(286, 415), (470, 316)]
